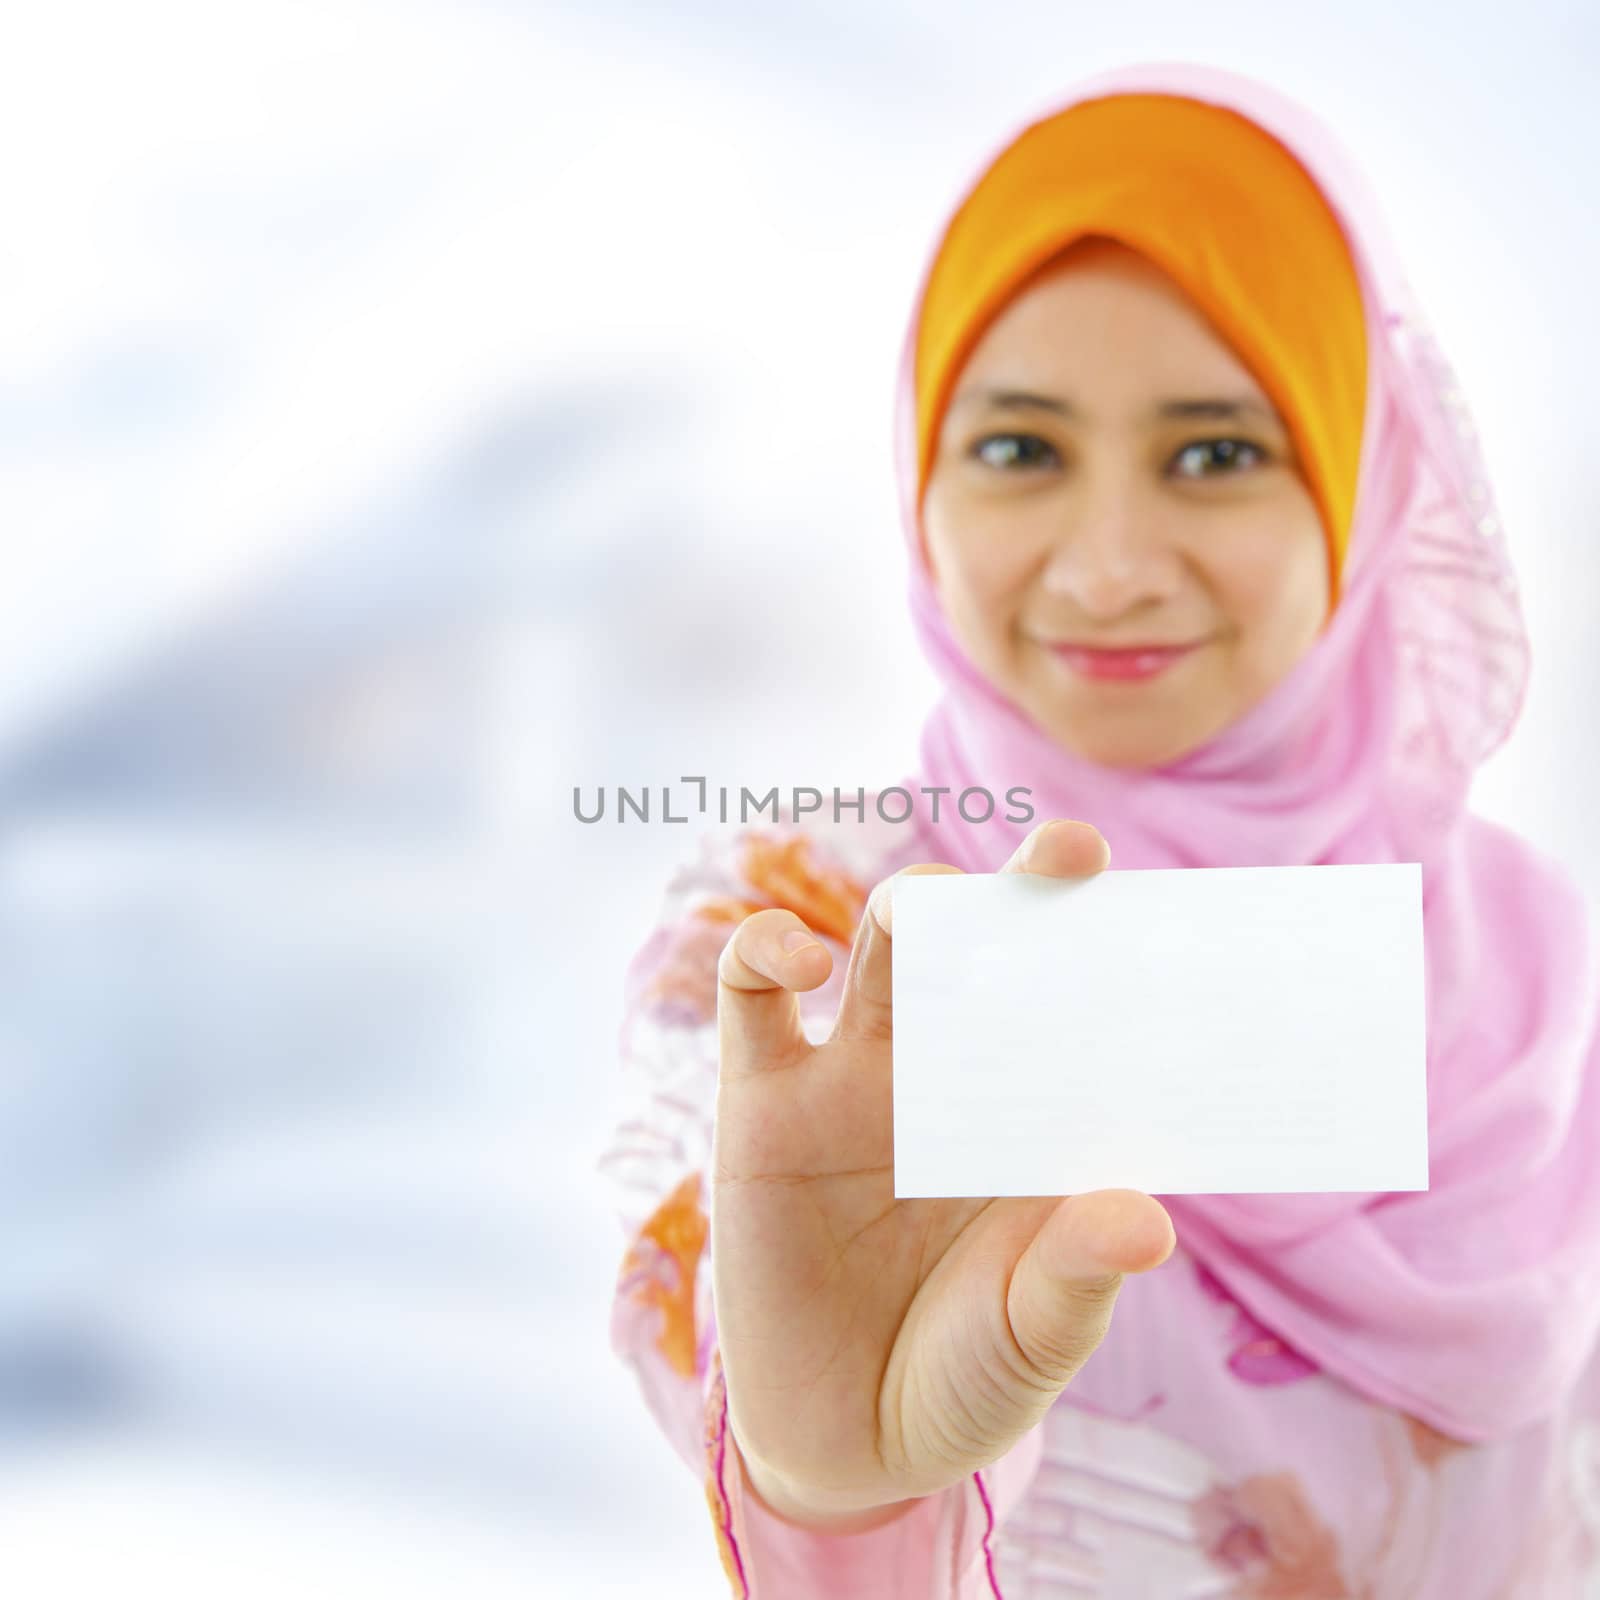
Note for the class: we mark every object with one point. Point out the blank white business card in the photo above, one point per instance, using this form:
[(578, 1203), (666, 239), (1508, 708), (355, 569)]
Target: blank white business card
[(1189, 1031)]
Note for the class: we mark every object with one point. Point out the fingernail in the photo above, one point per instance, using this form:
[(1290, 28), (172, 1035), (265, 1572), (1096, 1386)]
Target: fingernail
[(796, 939)]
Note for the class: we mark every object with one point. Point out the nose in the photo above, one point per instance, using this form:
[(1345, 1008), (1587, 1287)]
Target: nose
[(1109, 556)]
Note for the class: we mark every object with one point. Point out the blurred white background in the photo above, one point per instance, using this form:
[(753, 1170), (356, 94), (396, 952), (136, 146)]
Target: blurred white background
[(410, 411)]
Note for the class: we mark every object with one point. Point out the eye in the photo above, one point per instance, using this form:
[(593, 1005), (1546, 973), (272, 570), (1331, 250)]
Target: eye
[(1213, 458), (1012, 451)]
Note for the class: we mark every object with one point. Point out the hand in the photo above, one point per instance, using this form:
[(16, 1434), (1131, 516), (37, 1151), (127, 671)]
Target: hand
[(878, 1350)]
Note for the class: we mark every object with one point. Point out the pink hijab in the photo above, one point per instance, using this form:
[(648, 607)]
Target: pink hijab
[(1474, 1305)]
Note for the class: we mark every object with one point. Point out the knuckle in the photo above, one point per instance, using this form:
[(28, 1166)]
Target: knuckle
[(749, 950), (756, 926), (731, 963), (1056, 1356), (1090, 1299), (1079, 1317)]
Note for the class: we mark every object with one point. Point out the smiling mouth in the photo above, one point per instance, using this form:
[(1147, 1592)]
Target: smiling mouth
[(1126, 664)]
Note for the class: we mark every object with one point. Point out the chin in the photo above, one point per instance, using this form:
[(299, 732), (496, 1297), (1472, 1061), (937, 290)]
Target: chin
[(1129, 756), (1128, 746)]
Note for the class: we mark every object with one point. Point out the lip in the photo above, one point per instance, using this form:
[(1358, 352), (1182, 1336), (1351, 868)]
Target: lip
[(1126, 664)]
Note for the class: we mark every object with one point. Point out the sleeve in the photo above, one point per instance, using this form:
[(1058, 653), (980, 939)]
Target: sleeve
[(663, 1321), (941, 1550)]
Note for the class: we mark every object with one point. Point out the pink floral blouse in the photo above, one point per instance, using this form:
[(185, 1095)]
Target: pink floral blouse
[(1196, 1454)]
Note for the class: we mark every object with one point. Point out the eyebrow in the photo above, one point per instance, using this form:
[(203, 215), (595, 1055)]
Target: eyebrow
[(1210, 408)]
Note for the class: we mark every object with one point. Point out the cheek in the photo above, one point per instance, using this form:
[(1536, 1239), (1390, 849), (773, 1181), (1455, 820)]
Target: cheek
[(980, 573), (1271, 581)]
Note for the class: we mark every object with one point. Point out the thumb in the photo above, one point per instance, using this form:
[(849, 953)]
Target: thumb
[(1066, 1282)]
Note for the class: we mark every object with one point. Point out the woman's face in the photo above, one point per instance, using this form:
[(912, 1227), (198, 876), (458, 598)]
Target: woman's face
[(1110, 478)]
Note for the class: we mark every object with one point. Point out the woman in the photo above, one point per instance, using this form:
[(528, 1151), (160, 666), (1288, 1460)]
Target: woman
[(1204, 556)]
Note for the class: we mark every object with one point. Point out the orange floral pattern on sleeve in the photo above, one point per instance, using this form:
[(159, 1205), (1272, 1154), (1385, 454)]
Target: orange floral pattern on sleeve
[(675, 1233), (828, 900), (783, 873)]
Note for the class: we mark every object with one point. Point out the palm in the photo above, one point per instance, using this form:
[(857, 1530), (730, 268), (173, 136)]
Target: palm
[(875, 1349)]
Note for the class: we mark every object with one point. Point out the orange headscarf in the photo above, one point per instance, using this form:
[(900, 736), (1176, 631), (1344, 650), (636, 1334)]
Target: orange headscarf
[(1225, 210)]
